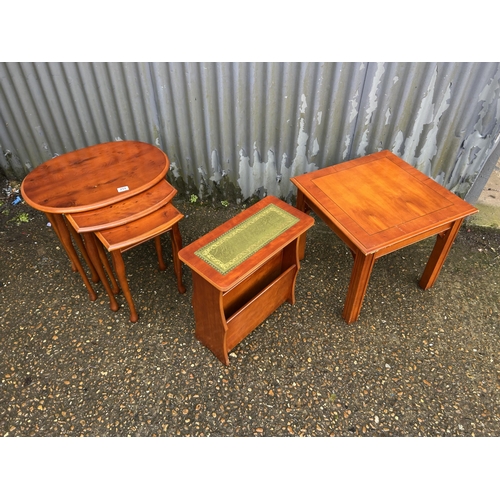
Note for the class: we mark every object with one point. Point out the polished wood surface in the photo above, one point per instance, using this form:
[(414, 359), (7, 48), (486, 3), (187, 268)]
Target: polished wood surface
[(125, 211), (228, 307), (124, 225), (94, 177), (90, 178), (378, 204), (134, 233), (121, 238)]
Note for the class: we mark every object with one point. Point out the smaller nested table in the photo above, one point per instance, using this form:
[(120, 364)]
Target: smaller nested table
[(243, 271), (378, 204)]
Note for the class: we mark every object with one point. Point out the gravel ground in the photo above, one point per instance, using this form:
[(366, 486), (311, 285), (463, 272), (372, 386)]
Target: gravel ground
[(415, 363)]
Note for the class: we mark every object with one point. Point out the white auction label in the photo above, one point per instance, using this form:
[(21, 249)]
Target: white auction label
[(123, 188)]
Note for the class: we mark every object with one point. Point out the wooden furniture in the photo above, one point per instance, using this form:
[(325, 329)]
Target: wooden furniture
[(91, 178), (127, 210), (121, 238), (243, 271), (126, 224), (378, 204)]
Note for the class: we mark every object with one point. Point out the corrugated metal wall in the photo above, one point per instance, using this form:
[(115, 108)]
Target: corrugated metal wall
[(232, 130)]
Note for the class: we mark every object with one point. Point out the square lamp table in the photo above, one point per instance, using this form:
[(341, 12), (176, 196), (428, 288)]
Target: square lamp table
[(378, 204), (243, 271)]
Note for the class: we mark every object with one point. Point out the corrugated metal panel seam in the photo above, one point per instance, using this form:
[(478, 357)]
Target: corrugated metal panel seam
[(233, 130)]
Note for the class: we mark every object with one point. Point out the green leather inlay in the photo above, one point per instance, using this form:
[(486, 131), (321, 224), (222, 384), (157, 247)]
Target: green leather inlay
[(236, 245)]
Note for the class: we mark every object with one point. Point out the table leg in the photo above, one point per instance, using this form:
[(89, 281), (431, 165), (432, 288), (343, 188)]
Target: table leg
[(57, 221), (302, 206), (159, 252), (439, 253), (119, 266), (105, 262), (175, 236), (54, 227), (94, 275), (291, 259), (361, 271), (94, 256)]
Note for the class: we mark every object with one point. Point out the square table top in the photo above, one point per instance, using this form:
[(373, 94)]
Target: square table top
[(379, 200), (235, 249)]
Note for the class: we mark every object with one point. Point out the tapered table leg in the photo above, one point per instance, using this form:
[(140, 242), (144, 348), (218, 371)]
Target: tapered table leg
[(54, 227), (159, 253), (94, 275), (94, 256), (105, 262), (361, 271), (439, 253), (119, 266), (302, 206), (57, 220)]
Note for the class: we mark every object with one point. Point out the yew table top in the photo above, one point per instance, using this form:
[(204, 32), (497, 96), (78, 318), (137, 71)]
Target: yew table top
[(379, 200), (124, 211), (137, 231), (255, 259), (94, 177)]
